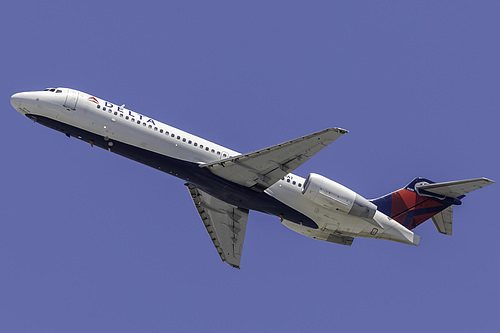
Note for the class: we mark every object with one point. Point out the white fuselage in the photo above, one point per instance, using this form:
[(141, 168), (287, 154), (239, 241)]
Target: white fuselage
[(119, 125)]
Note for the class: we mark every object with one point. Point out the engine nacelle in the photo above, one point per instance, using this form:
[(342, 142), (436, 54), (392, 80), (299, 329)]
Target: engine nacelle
[(329, 194)]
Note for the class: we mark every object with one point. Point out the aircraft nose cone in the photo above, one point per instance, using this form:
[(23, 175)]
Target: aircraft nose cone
[(23, 101), (16, 100)]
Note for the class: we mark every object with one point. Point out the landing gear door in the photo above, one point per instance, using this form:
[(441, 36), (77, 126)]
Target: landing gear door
[(71, 99)]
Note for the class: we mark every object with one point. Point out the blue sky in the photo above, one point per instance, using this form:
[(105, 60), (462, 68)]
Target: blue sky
[(92, 242)]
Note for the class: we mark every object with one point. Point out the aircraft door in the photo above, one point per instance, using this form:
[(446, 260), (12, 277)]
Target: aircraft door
[(71, 99)]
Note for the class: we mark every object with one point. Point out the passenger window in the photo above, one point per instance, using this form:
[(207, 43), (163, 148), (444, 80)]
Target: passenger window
[(190, 141), (161, 131), (126, 117), (116, 113), (98, 106), (195, 144), (138, 122), (201, 146), (206, 149), (149, 126), (104, 109), (173, 135), (156, 128), (184, 140)]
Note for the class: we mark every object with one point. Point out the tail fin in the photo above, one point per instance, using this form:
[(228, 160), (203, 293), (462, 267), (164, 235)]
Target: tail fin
[(422, 199)]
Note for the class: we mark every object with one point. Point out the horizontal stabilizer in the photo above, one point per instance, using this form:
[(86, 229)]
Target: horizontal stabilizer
[(443, 221), (456, 188), (422, 199)]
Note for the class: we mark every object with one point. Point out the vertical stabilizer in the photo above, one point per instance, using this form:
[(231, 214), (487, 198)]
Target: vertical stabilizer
[(408, 207), (423, 199)]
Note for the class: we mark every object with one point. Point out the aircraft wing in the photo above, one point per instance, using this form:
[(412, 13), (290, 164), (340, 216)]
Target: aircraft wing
[(456, 188), (262, 168), (225, 223)]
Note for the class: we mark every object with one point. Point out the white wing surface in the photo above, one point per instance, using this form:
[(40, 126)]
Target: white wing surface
[(262, 168), (225, 223)]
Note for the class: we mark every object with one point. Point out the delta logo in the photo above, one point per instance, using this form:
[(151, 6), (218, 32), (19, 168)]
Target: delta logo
[(93, 99)]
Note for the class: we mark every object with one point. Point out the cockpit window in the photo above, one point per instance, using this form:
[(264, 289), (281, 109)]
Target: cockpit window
[(53, 90)]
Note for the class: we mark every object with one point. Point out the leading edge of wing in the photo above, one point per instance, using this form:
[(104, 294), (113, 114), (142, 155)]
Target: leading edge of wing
[(262, 168)]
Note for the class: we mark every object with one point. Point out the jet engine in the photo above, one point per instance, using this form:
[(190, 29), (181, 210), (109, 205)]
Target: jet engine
[(329, 194)]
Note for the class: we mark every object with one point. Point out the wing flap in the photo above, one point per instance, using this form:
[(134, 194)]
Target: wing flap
[(262, 168), (456, 188), (225, 224)]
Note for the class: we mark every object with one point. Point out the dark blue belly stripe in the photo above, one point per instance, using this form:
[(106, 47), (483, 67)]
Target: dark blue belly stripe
[(218, 187)]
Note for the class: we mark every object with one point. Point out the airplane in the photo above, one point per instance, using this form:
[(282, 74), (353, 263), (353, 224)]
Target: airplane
[(225, 185)]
